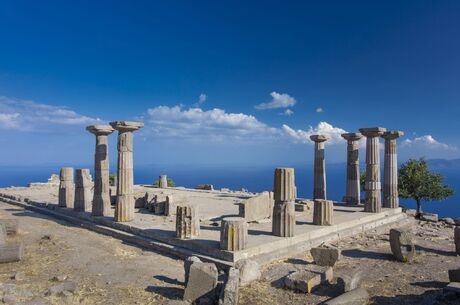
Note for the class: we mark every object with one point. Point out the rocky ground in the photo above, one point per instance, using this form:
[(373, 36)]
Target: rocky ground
[(103, 270)]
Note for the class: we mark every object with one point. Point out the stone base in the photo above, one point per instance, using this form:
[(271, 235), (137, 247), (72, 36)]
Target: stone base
[(283, 222)]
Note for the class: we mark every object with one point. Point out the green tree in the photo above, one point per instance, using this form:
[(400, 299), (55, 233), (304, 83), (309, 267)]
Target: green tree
[(362, 180), (417, 182), (112, 178), (170, 183)]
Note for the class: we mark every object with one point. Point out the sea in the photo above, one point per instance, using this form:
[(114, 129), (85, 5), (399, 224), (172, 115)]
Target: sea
[(253, 178)]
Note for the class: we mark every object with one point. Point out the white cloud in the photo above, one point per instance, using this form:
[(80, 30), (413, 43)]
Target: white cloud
[(195, 123), (279, 100), (32, 116), (287, 112), (303, 136), (426, 141), (319, 110)]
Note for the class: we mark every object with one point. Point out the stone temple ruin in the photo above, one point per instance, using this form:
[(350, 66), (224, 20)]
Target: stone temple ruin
[(223, 226)]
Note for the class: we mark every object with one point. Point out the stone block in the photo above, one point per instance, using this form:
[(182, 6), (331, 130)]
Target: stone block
[(323, 212), (429, 217), (256, 208), (402, 245), (457, 240), (249, 271), (202, 282), (410, 212), (205, 187), (230, 292), (187, 263), (358, 296), (307, 280), (454, 275), (325, 256), (299, 207), (448, 221), (187, 222), (349, 281), (233, 234)]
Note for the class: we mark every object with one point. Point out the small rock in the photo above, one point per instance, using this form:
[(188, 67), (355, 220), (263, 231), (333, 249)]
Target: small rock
[(448, 221), (402, 246), (47, 237), (59, 289), (249, 271), (19, 276), (355, 297), (429, 217), (307, 280), (350, 281), (325, 255), (411, 212), (59, 278), (9, 299)]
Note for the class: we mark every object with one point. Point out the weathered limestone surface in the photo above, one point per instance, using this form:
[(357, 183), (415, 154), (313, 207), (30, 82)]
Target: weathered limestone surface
[(353, 192), (249, 271), (11, 226), (358, 296), (349, 281), (325, 256), (319, 181), (283, 222), (202, 281), (66, 188), (233, 234), (402, 245), (256, 208), (323, 212), (82, 190), (457, 240), (373, 202), (163, 182), (230, 292), (187, 222), (390, 170), (101, 197), (124, 208), (187, 263), (11, 252), (307, 280)]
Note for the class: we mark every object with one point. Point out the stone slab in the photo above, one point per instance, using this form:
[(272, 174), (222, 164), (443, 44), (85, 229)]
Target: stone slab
[(256, 208), (358, 296)]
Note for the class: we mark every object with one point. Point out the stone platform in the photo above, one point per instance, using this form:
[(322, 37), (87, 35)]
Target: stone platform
[(158, 232)]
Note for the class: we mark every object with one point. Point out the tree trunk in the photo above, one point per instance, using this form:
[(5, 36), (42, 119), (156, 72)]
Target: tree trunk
[(419, 207)]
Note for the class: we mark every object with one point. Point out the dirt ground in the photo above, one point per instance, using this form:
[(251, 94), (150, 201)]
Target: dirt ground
[(107, 271)]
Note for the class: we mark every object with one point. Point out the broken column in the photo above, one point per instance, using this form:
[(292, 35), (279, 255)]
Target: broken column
[(390, 170), (82, 190), (233, 234), (124, 207), (323, 212), (319, 176), (101, 197), (163, 182), (353, 192), (66, 188), (373, 187), (187, 222), (283, 222)]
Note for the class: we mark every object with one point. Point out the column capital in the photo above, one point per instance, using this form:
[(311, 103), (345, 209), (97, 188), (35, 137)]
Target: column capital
[(100, 129), (352, 136), (372, 131), (391, 135), (126, 125), (319, 138)]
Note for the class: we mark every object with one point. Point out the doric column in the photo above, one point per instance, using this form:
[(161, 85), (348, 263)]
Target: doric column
[(101, 197), (283, 222), (353, 192), (319, 177), (323, 212), (82, 190), (66, 188), (124, 208), (390, 170), (233, 234), (373, 187), (163, 182)]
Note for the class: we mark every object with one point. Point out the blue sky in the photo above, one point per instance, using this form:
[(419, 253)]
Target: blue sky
[(237, 82)]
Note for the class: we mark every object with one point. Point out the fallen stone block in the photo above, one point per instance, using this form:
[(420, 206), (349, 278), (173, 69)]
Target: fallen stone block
[(256, 208), (454, 275), (249, 271), (350, 281), (11, 252), (202, 282), (355, 297), (448, 221), (457, 240), (402, 245), (62, 288), (187, 263), (206, 187), (325, 256), (410, 212), (230, 292), (453, 287), (429, 217), (299, 207), (307, 280), (11, 225)]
